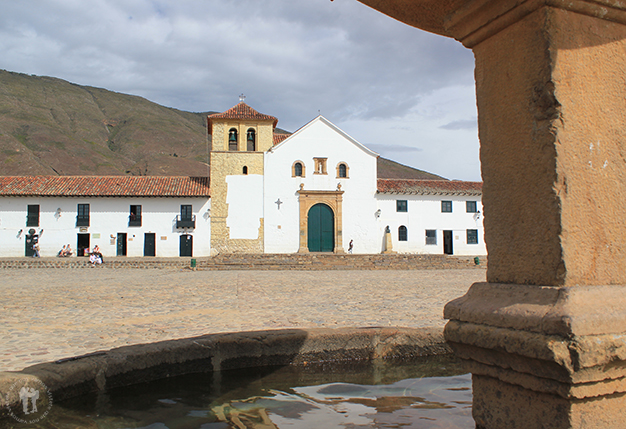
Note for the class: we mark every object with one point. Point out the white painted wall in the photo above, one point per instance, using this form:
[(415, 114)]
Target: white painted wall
[(108, 216), (424, 212), (244, 197), (320, 139)]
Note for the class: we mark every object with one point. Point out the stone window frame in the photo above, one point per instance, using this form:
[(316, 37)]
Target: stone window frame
[(320, 166), (293, 169), (347, 172), (403, 233)]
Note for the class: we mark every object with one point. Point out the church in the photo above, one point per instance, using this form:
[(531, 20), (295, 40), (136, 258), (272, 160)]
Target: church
[(316, 190)]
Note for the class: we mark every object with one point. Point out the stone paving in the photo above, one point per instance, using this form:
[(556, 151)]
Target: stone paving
[(48, 314)]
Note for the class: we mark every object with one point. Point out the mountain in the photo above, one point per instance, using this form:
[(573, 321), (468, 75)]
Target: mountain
[(388, 169), (49, 126)]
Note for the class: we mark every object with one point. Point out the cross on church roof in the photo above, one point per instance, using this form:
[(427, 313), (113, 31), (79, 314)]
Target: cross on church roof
[(242, 97)]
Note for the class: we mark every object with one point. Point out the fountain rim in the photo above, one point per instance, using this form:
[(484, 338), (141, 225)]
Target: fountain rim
[(140, 363)]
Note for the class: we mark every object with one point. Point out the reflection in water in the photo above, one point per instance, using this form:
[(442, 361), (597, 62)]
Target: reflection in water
[(426, 394), (427, 402)]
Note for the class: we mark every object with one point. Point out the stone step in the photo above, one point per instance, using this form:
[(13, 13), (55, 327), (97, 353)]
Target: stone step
[(261, 262)]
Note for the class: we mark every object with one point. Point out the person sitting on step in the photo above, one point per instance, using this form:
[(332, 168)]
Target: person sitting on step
[(97, 253)]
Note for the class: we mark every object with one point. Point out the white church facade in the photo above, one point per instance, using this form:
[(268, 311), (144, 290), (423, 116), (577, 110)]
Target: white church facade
[(316, 190)]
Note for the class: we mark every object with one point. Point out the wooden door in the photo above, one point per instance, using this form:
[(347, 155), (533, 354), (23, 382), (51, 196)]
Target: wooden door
[(82, 243), (121, 244), (321, 229), (186, 245), (149, 244), (30, 240), (447, 243)]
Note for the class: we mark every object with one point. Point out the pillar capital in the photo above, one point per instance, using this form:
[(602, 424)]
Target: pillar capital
[(477, 20), (472, 21)]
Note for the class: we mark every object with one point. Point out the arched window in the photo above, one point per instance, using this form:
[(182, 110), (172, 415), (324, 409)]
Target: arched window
[(403, 233), (245, 169), (297, 170), (251, 140), (342, 170), (232, 139)]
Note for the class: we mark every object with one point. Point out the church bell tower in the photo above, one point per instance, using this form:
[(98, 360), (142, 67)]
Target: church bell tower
[(239, 138)]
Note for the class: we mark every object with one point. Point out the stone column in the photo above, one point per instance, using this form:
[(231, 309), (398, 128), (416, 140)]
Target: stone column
[(545, 338)]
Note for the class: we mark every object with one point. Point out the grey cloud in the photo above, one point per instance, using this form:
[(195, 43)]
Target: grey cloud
[(467, 124), (386, 148), (291, 58)]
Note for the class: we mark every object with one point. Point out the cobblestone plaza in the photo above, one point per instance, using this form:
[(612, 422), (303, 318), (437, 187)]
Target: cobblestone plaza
[(49, 314)]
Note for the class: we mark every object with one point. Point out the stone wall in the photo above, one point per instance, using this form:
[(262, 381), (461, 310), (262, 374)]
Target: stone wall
[(224, 164)]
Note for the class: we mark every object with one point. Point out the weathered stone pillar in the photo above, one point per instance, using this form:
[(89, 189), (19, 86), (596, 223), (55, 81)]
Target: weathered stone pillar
[(545, 338)]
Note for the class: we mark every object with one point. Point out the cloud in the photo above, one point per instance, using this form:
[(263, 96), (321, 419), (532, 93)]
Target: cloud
[(393, 148), (340, 57), (290, 58), (468, 124)]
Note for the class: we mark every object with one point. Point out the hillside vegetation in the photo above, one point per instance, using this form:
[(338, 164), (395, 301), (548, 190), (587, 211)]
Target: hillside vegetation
[(49, 126)]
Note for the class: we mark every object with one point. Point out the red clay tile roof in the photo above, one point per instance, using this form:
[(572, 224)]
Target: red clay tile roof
[(240, 111), (104, 186), (429, 187), (279, 138)]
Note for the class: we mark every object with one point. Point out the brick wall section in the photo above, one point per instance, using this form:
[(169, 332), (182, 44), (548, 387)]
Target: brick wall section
[(311, 261)]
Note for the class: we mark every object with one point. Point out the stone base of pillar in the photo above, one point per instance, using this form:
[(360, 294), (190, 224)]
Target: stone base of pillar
[(543, 357), (498, 404)]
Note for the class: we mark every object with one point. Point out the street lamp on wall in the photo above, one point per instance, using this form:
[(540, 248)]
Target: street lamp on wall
[(378, 213)]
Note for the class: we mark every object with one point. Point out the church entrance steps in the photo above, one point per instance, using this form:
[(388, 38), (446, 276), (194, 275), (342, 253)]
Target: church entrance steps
[(309, 261)]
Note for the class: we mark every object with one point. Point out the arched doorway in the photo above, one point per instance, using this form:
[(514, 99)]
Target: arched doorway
[(321, 229)]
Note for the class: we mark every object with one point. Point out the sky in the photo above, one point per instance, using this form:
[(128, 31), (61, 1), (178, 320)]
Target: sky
[(404, 93)]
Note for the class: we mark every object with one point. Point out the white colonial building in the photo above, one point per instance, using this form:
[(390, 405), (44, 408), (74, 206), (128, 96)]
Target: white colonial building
[(124, 216), (316, 190)]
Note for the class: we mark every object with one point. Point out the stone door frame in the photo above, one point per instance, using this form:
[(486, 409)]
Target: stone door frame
[(332, 199)]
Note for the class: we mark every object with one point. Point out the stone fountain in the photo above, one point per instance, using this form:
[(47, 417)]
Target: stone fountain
[(545, 337)]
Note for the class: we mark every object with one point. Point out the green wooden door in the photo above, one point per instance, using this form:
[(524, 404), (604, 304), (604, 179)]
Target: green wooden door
[(321, 229), (121, 244), (30, 240), (186, 245), (149, 244)]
